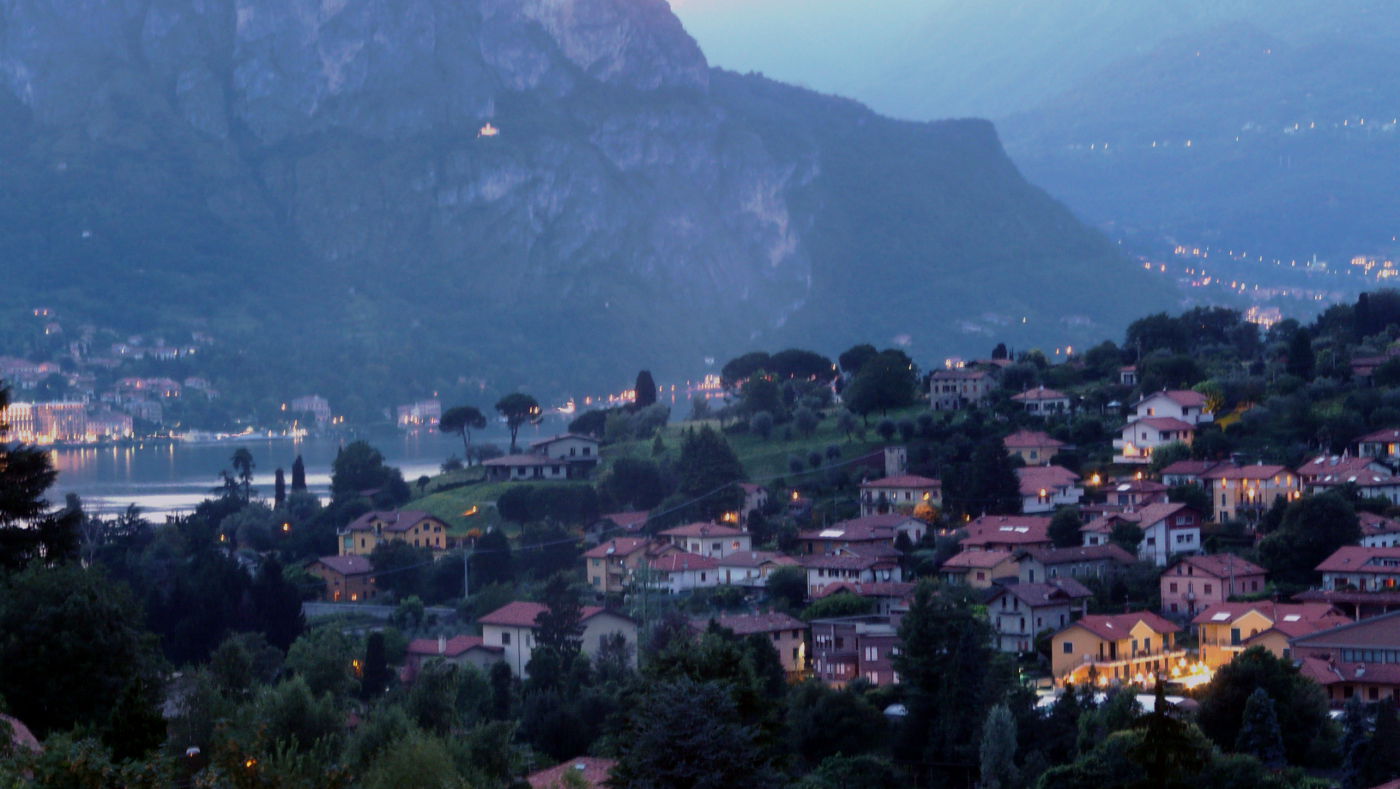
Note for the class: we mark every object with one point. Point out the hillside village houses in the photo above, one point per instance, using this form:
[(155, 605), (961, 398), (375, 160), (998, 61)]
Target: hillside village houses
[(901, 494), (415, 527), (1043, 402), (1227, 629), (1032, 446), (1191, 584), (1381, 445), (1046, 488), (567, 456), (1353, 659), (1378, 531), (512, 629), (951, 390), (1115, 647), (1020, 612)]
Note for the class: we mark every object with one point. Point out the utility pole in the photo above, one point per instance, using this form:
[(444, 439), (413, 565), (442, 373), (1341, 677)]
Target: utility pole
[(466, 570)]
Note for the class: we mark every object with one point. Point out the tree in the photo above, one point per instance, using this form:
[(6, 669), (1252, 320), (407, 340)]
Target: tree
[(420, 759), (359, 469), (278, 605), (884, 382), (28, 533), (298, 475), (1382, 762), (279, 489), (1299, 703), (1312, 529), (855, 357), (645, 389), (243, 465), (847, 422), (398, 567), (1168, 751), (490, 561), (685, 734), (1259, 732), (1127, 536), (635, 483), (761, 424), (72, 644), (559, 627), (787, 587), (322, 659), (708, 469), (999, 750), (1064, 528), (1166, 455), (761, 393), (806, 421), (799, 363), (517, 409), (1354, 743), (886, 428), (462, 420), (840, 604), (1300, 355), (822, 721)]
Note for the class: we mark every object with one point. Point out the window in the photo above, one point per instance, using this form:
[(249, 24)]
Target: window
[(776, 635), (1147, 644), (872, 654), (794, 654), (1234, 636), (1173, 589), (505, 639), (1208, 588), (1069, 648)]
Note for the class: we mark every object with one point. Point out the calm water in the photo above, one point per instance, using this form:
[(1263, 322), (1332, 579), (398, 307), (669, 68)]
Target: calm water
[(163, 479)]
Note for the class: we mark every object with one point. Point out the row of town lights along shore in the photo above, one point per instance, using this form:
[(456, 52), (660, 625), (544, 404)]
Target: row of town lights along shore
[(1298, 127)]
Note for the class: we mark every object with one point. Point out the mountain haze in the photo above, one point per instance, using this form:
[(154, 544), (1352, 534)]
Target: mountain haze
[(315, 182)]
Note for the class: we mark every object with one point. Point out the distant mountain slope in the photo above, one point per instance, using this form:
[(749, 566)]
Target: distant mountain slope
[(316, 181)]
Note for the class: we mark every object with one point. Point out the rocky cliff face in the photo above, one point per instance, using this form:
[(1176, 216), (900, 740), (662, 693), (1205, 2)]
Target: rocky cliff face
[(563, 178)]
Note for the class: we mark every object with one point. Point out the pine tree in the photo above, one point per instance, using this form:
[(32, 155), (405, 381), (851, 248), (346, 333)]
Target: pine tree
[(1354, 743), (999, 750), (298, 476), (1260, 735), (376, 668), (645, 389)]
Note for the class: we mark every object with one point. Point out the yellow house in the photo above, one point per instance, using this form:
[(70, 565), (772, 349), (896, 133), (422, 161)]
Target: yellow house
[(978, 569), (1246, 491), (414, 527), (610, 565), (1227, 629), (1118, 648)]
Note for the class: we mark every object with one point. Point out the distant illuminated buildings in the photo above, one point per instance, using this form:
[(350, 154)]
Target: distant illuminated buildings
[(63, 423), (423, 412)]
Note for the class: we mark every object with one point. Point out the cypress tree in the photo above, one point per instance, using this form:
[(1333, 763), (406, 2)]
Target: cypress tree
[(376, 670), (298, 476), (279, 488), (1382, 762), (1354, 744), (1260, 735), (645, 389), (999, 750)]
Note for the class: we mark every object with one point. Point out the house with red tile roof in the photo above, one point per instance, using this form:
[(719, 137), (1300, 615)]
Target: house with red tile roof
[(1245, 492), (1378, 531), (1191, 584), (1136, 493), (348, 579), (1328, 471), (1381, 444), (788, 635), (1036, 448), (1354, 567), (899, 494), (1007, 533), (1188, 472), (459, 650), (888, 595), (1226, 629), (611, 564), (1043, 402), (1020, 612), (589, 772), (1045, 488), (708, 539), (1042, 565), (755, 498), (1121, 648), (751, 569), (862, 532), (679, 571), (849, 647), (1161, 418), (415, 527), (617, 524), (823, 570), (512, 628), (1355, 659), (978, 569), (1168, 529)]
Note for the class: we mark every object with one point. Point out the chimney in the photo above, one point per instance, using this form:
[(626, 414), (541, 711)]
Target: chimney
[(442, 645)]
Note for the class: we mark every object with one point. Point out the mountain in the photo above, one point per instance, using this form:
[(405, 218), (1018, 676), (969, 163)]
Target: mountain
[(375, 199)]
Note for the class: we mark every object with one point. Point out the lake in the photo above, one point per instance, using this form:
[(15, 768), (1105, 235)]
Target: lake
[(169, 478)]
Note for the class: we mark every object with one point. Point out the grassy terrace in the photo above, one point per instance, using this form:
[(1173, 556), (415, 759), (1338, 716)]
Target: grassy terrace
[(450, 495)]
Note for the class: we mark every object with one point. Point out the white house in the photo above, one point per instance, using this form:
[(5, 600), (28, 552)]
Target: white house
[(1159, 419), (1167, 530), (1043, 401), (708, 539), (512, 629), (750, 568), (678, 572), (1043, 488)]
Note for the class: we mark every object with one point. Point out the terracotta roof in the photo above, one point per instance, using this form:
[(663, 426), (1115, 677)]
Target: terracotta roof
[(1116, 626), (1358, 559), (1040, 394), (1164, 424), (593, 770), (958, 375), (1376, 631), (1373, 524), (452, 647), (523, 614), (1103, 524), (983, 560), (1325, 672), (1221, 565), (563, 437), (348, 565), (1350, 597), (21, 735), (1386, 435), (864, 589), (1036, 478), (1078, 553), (629, 521), (1154, 513), (903, 481), (744, 624), (703, 530), (1008, 529), (1037, 595), (1140, 486), (1182, 397), (512, 461), (871, 528), (1255, 472), (1030, 438), (1194, 468), (618, 546), (844, 561), (394, 520), (1339, 466), (1274, 612), (680, 561), (755, 559)]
